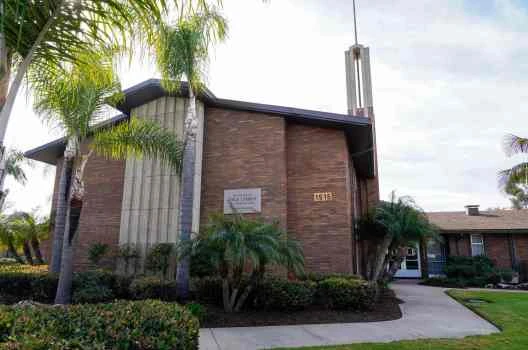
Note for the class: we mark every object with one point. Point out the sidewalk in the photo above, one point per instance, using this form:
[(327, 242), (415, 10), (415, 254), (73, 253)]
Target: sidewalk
[(427, 313)]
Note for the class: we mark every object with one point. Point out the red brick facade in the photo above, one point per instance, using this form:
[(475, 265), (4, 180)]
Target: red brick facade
[(288, 161), (318, 162), (101, 214), (502, 248)]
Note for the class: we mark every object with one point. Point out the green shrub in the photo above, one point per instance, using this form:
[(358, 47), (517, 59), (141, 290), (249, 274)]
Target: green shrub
[(475, 271), (92, 287), (318, 277), (444, 282), (197, 310), (137, 325), (158, 258), (96, 252), (88, 287), (151, 287), (344, 293), (282, 294), (506, 275), (16, 286)]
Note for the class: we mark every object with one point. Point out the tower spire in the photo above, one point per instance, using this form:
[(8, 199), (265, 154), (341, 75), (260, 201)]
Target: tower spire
[(359, 88)]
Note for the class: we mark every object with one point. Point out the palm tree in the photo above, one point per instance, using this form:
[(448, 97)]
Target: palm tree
[(516, 178), (32, 230), (75, 97), (8, 238), (41, 35), (391, 226), (235, 246), (13, 167), (182, 51)]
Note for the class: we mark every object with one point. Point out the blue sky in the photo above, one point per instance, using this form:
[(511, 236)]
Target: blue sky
[(450, 80)]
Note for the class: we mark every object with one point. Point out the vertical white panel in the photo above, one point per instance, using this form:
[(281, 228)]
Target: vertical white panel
[(198, 169)]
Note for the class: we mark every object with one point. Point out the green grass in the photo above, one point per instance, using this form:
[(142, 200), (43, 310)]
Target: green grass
[(509, 311)]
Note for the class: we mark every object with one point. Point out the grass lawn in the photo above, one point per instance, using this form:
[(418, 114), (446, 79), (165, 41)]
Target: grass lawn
[(509, 311)]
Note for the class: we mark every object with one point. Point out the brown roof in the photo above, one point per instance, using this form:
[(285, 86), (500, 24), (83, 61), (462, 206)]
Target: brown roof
[(494, 220)]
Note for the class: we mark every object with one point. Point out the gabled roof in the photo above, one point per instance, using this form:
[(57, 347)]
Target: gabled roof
[(487, 221), (358, 129)]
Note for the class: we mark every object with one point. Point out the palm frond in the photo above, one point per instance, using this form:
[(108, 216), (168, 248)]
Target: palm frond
[(139, 138), (182, 49), (76, 97), (517, 175), (14, 166), (514, 144)]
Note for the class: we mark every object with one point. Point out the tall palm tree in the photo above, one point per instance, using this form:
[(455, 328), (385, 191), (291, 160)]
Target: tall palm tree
[(41, 35), (517, 176), (75, 97), (182, 52)]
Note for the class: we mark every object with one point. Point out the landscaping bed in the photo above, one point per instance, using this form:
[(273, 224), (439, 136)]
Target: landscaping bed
[(387, 308)]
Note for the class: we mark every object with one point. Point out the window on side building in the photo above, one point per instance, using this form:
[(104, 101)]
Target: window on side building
[(477, 245)]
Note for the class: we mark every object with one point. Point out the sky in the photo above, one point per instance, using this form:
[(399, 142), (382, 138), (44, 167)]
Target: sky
[(450, 80)]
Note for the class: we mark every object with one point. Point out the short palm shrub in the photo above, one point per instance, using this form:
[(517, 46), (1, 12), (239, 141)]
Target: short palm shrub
[(240, 250), (339, 293), (137, 325), (283, 294), (152, 287), (207, 290)]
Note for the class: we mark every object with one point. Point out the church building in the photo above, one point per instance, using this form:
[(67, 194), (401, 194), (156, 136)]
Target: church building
[(314, 172)]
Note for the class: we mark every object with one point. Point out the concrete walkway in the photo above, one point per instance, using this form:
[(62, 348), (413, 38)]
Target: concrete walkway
[(427, 313)]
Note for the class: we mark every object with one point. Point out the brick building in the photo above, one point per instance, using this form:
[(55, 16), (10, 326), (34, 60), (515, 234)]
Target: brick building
[(314, 172), (502, 235)]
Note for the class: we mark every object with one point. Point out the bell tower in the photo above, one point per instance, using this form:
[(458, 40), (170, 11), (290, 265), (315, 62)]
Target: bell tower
[(360, 104)]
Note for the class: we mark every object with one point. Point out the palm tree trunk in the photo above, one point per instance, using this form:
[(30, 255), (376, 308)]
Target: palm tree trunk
[(35, 245), (60, 213), (5, 75), (379, 263), (187, 195), (27, 252), (71, 232), (13, 252)]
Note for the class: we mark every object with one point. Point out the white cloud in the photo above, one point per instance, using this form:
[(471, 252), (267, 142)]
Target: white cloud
[(450, 79)]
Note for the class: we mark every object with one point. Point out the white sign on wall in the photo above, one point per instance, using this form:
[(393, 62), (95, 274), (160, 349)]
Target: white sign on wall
[(242, 201)]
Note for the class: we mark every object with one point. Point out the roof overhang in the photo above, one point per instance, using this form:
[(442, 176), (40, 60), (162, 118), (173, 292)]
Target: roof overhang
[(358, 129)]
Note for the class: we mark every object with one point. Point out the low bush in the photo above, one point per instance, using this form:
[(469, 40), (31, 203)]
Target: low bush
[(88, 287), (151, 287), (345, 293), (444, 282), (318, 277), (282, 294), (137, 325), (16, 286), (475, 271)]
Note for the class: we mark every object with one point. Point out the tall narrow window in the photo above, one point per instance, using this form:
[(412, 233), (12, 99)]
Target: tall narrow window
[(477, 245)]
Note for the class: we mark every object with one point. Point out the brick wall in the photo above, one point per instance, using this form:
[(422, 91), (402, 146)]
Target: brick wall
[(101, 215), (244, 150), (318, 162), (497, 248)]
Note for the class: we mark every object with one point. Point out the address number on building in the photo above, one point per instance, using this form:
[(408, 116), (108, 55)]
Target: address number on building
[(324, 196)]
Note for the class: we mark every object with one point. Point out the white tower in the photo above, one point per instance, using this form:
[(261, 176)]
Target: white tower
[(359, 83)]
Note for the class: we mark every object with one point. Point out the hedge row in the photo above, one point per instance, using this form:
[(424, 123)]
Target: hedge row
[(121, 325), (88, 287), (338, 293)]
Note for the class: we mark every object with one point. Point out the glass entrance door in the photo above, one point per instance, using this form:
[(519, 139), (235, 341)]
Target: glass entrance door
[(410, 266)]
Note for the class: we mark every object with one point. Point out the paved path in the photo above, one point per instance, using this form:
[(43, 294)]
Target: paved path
[(427, 313)]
